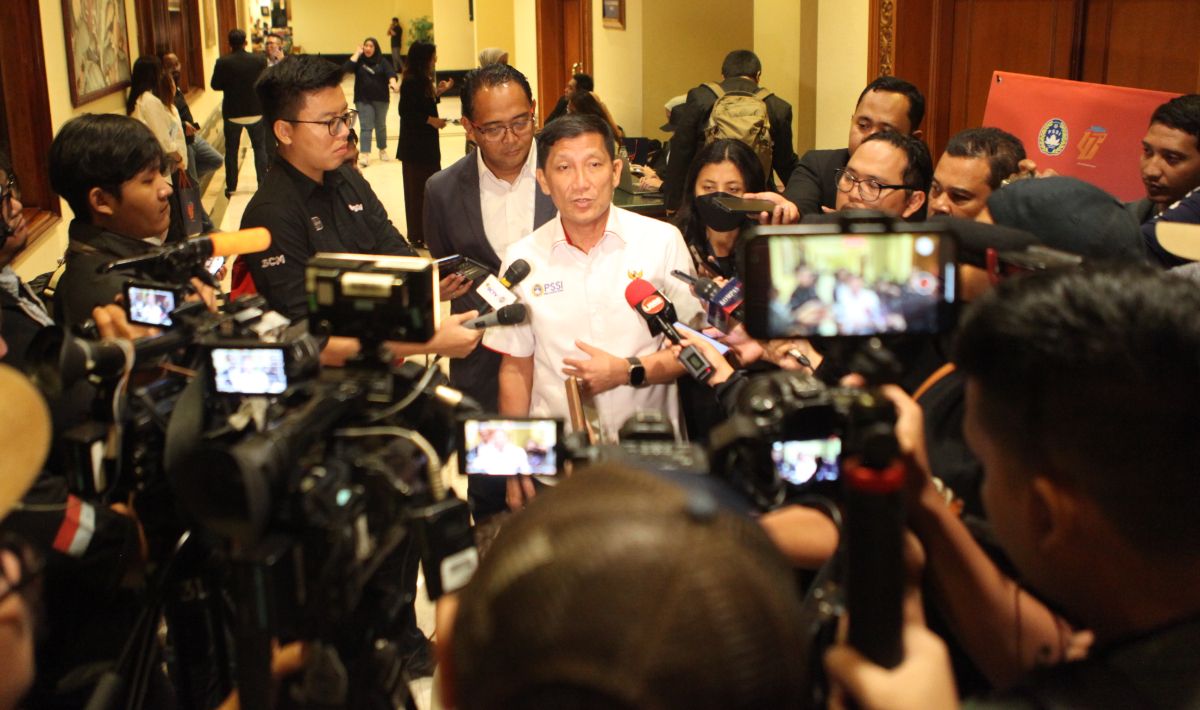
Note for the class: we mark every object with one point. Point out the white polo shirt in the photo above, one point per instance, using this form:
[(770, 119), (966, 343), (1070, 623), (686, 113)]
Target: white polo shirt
[(576, 296)]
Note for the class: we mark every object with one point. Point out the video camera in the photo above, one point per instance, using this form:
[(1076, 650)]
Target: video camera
[(310, 484)]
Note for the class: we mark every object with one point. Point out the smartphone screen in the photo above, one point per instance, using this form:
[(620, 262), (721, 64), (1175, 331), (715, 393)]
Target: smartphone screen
[(693, 333), (807, 461), (214, 264), (834, 285), (147, 305), (509, 447), (249, 370)]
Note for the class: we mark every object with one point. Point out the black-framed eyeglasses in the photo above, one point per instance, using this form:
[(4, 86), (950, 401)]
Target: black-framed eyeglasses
[(869, 189), (20, 565), (519, 128), (334, 124)]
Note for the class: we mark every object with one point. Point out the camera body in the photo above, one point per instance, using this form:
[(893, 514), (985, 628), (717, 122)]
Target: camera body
[(373, 298)]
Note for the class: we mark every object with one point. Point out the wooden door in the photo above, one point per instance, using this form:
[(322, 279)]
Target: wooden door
[(949, 48), (227, 19), (564, 39)]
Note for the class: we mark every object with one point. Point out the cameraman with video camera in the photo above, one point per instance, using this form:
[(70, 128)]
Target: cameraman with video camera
[(1081, 402)]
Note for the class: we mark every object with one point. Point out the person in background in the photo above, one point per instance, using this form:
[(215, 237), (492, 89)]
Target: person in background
[(374, 80), (493, 55), (650, 178), (977, 161), (579, 82), (889, 172), (395, 33), (587, 102), (152, 101), (22, 312), (352, 151), (419, 147), (274, 49), (203, 159), (235, 75)]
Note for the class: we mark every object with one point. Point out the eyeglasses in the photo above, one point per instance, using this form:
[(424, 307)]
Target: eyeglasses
[(869, 189), (20, 566), (519, 127), (334, 124)]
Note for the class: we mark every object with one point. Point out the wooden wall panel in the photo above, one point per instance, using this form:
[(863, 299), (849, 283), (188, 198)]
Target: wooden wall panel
[(1148, 44)]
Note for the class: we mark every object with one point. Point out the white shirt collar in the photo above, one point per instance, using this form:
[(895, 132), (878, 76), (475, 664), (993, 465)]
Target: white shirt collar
[(613, 226), (528, 170)]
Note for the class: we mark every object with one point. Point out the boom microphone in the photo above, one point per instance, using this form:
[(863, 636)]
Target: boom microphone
[(511, 314), (653, 306)]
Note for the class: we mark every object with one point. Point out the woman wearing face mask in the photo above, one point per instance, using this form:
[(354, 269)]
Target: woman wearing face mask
[(724, 167), (374, 77)]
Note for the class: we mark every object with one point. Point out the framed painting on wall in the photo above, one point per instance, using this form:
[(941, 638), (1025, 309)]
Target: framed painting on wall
[(97, 48), (613, 14)]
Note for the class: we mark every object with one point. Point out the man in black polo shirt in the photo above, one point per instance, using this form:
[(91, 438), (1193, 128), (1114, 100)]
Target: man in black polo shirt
[(312, 203), (110, 170)]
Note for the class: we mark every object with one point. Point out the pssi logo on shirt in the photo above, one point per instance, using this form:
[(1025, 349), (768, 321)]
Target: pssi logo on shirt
[(547, 289)]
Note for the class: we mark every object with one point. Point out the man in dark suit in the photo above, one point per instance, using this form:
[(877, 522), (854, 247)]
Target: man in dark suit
[(477, 207), (235, 74), (887, 104), (741, 71)]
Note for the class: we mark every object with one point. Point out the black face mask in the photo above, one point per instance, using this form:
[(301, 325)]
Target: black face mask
[(716, 217)]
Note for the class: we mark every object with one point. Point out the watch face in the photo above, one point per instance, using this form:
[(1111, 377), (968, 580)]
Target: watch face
[(637, 372)]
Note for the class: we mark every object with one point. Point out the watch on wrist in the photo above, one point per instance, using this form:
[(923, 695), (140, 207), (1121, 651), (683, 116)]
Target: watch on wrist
[(637, 372)]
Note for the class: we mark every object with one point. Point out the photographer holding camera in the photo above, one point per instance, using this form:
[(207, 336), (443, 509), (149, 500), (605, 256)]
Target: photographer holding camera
[(1081, 403)]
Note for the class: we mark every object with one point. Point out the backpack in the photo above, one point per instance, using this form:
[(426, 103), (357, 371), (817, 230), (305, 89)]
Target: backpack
[(742, 116)]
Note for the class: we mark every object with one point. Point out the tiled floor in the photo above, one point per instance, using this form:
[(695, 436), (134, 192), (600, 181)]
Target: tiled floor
[(386, 179)]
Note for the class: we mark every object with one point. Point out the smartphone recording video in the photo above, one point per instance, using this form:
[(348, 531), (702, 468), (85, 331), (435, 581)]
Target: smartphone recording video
[(509, 447), (857, 284), (807, 461), (149, 305), (249, 370)]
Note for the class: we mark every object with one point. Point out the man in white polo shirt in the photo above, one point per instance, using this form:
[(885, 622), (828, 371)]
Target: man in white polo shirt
[(579, 323)]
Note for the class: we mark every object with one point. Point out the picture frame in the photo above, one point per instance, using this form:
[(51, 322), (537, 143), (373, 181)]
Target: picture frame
[(612, 12), (97, 43)]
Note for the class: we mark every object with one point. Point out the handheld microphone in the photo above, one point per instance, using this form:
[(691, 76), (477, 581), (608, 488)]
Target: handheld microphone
[(659, 313), (495, 291), (516, 273), (511, 314), (728, 297)]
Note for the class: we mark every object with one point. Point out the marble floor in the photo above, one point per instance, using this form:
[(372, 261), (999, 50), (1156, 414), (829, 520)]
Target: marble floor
[(386, 179)]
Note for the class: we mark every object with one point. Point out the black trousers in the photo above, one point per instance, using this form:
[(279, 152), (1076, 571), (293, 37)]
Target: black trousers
[(233, 140), (415, 175)]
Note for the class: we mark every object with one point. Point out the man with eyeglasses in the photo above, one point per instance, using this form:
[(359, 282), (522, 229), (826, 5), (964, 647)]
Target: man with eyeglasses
[(889, 172), (477, 207), (312, 202)]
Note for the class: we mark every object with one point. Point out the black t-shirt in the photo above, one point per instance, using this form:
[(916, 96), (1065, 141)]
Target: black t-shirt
[(342, 214), (81, 289)]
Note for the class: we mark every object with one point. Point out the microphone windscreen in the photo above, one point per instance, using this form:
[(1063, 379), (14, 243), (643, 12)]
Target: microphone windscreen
[(637, 291), (516, 273), (243, 241), (511, 314)]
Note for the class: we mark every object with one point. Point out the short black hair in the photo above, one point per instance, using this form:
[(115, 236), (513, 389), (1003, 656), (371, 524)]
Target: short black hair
[(1092, 377), (916, 101), (583, 82), (570, 126), (281, 88), (1002, 150), (919, 172), (490, 76), (740, 62), (237, 38), (1181, 113), (101, 150)]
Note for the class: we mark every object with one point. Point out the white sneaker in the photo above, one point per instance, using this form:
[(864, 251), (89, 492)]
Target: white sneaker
[(364, 159), (383, 155)]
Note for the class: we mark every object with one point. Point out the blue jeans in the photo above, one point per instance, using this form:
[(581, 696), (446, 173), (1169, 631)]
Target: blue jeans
[(372, 115), (203, 158)]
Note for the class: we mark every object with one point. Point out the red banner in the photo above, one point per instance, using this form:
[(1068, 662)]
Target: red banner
[(1089, 131)]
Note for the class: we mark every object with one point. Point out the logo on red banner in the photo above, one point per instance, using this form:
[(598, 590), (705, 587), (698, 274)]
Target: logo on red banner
[(1052, 139), (653, 304), (1090, 144)]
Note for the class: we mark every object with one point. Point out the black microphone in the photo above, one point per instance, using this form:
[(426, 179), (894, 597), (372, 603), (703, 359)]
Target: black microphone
[(641, 295), (515, 274), (511, 314)]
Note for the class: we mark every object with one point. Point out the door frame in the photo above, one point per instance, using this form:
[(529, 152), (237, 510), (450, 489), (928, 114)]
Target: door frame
[(551, 64)]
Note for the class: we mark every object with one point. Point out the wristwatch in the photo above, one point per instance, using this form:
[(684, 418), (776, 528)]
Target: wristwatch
[(637, 372)]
